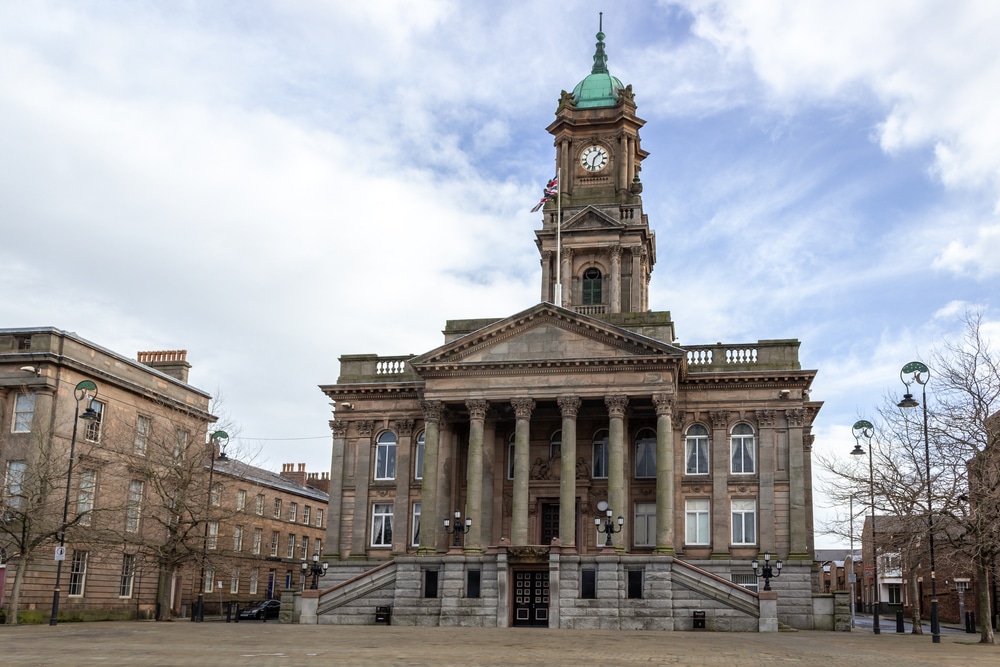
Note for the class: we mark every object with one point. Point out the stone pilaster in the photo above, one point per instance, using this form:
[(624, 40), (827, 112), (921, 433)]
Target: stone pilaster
[(569, 406), (720, 485), (616, 279), (401, 504), (798, 547), (362, 475), (335, 515), (765, 471), (474, 475), (523, 407), (664, 474), (617, 404), (433, 411)]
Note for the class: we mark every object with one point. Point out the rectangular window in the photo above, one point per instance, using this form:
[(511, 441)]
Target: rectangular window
[(142, 428), (209, 579), (319, 518), (306, 514), (275, 539), (304, 547), (234, 581), (94, 426), (634, 584), (418, 459), (290, 550), (645, 455), (588, 585), (382, 525), (241, 500), (293, 512), (744, 521), (213, 535), (24, 413), (127, 576), (216, 494), (259, 505), (430, 583), (742, 450), (78, 574), (601, 459), (14, 484), (133, 511), (895, 594), (644, 528), (180, 444), (85, 493), (473, 584), (318, 547), (277, 508), (254, 576), (696, 455), (696, 521), (238, 538), (385, 457), (258, 539), (415, 532)]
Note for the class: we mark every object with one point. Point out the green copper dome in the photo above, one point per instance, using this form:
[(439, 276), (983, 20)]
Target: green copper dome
[(599, 89)]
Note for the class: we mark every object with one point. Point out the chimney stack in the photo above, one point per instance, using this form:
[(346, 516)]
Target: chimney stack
[(169, 362)]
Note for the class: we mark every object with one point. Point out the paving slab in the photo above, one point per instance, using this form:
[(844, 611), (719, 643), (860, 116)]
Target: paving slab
[(253, 644)]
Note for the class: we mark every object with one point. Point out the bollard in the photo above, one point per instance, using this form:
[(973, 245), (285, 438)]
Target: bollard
[(899, 621), (237, 619)]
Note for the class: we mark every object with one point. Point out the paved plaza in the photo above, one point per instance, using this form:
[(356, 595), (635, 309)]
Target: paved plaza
[(253, 644)]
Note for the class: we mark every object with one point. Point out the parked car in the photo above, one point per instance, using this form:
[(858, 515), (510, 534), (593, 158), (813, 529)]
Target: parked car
[(260, 610)]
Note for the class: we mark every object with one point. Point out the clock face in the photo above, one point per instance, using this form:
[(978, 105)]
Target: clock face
[(594, 158)]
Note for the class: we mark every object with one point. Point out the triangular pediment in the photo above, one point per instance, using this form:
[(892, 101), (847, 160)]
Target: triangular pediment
[(547, 336), (591, 218)]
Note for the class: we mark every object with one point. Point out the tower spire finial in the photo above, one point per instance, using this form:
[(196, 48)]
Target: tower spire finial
[(600, 58)]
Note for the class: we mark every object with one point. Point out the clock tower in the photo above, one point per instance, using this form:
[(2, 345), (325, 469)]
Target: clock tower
[(599, 244)]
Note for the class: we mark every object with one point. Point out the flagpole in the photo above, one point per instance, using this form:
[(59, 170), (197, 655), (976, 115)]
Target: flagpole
[(558, 286)]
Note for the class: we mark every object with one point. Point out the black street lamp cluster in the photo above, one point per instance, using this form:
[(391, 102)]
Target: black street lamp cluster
[(918, 372), (317, 570), (85, 389), (609, 527), (458, 528), (767, 572)]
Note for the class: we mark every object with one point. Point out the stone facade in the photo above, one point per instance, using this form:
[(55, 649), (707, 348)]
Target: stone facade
[(579, 409)]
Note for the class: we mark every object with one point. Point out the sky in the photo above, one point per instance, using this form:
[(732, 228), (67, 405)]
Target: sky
[(270, 185)]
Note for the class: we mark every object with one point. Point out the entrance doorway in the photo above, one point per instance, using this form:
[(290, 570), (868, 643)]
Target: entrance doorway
[(531, 598)]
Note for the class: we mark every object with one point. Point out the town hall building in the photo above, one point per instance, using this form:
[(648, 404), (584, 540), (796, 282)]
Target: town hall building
[(572, 465)]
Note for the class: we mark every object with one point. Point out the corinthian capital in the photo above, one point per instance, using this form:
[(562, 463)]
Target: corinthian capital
[(477, 408), (616, 404)]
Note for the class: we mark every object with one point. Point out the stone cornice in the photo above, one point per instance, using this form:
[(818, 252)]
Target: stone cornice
[(543, 367)]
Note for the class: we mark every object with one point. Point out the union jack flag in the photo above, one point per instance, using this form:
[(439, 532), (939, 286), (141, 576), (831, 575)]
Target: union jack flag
[(550, 192)]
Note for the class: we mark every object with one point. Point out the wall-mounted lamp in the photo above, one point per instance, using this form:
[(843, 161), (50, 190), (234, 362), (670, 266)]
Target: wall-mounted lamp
[(34, 370)]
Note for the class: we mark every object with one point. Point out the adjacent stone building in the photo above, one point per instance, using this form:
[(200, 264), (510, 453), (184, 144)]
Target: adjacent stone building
[(534, 431)]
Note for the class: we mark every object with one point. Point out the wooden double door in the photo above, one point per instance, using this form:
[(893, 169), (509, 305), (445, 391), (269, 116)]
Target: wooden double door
[(531, 598)]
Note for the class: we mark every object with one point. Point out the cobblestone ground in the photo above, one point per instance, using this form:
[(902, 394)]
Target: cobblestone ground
[(253, 644)]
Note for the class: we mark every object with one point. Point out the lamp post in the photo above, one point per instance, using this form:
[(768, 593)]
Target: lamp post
[(919, 373), (87, 389), (458, 528), (317, 569), (217, 439), (864, 429), (609, 526), (767, 572)]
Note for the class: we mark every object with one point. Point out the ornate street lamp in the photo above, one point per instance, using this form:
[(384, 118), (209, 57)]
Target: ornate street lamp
[(458, 528), (919, 373), (767, 572), (87, 389), (609, 525), (217, 440), (864, 429), (317, 569)]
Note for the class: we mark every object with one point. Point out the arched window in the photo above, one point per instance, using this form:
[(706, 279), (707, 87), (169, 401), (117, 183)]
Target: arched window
[(696, 450), (592, 287), (555, 445), (601, 454), (742, 448), (385, 456), (418, 458), (645, 453)]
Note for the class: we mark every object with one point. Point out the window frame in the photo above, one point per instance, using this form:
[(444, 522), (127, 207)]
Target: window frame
[(133, 507), (241, 499), (700, 519), (415, 524), (694, 442), (385, 456), (749, 510), (319, 517), (86, 494), (13, 488), (78, 574), (275, 543), (258, 540), (648, 457), (418, 457), (644, 521), (277, 508), (555, 444), (604, 444), (93, 431), (746, 444), (510, 457), (127, 578), (381, 526), (293, 512), (592, 287), (306, 514), (234, 582), (212, 541), (238, 538), (23, 416), (143, 427), (290, 547), (259, 505)]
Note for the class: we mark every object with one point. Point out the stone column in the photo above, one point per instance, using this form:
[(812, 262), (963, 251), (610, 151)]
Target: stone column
[(428, 489), (490, 472), (798, 547), (568, 406), (567, 278), (474, 475), (664, 474), (720, 483), (636, 285), (334, 511), (523, 408), (622, 162), (617, 403), (765, 472), (547, 277), (401, 504), (616, 279), (362, 472)]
